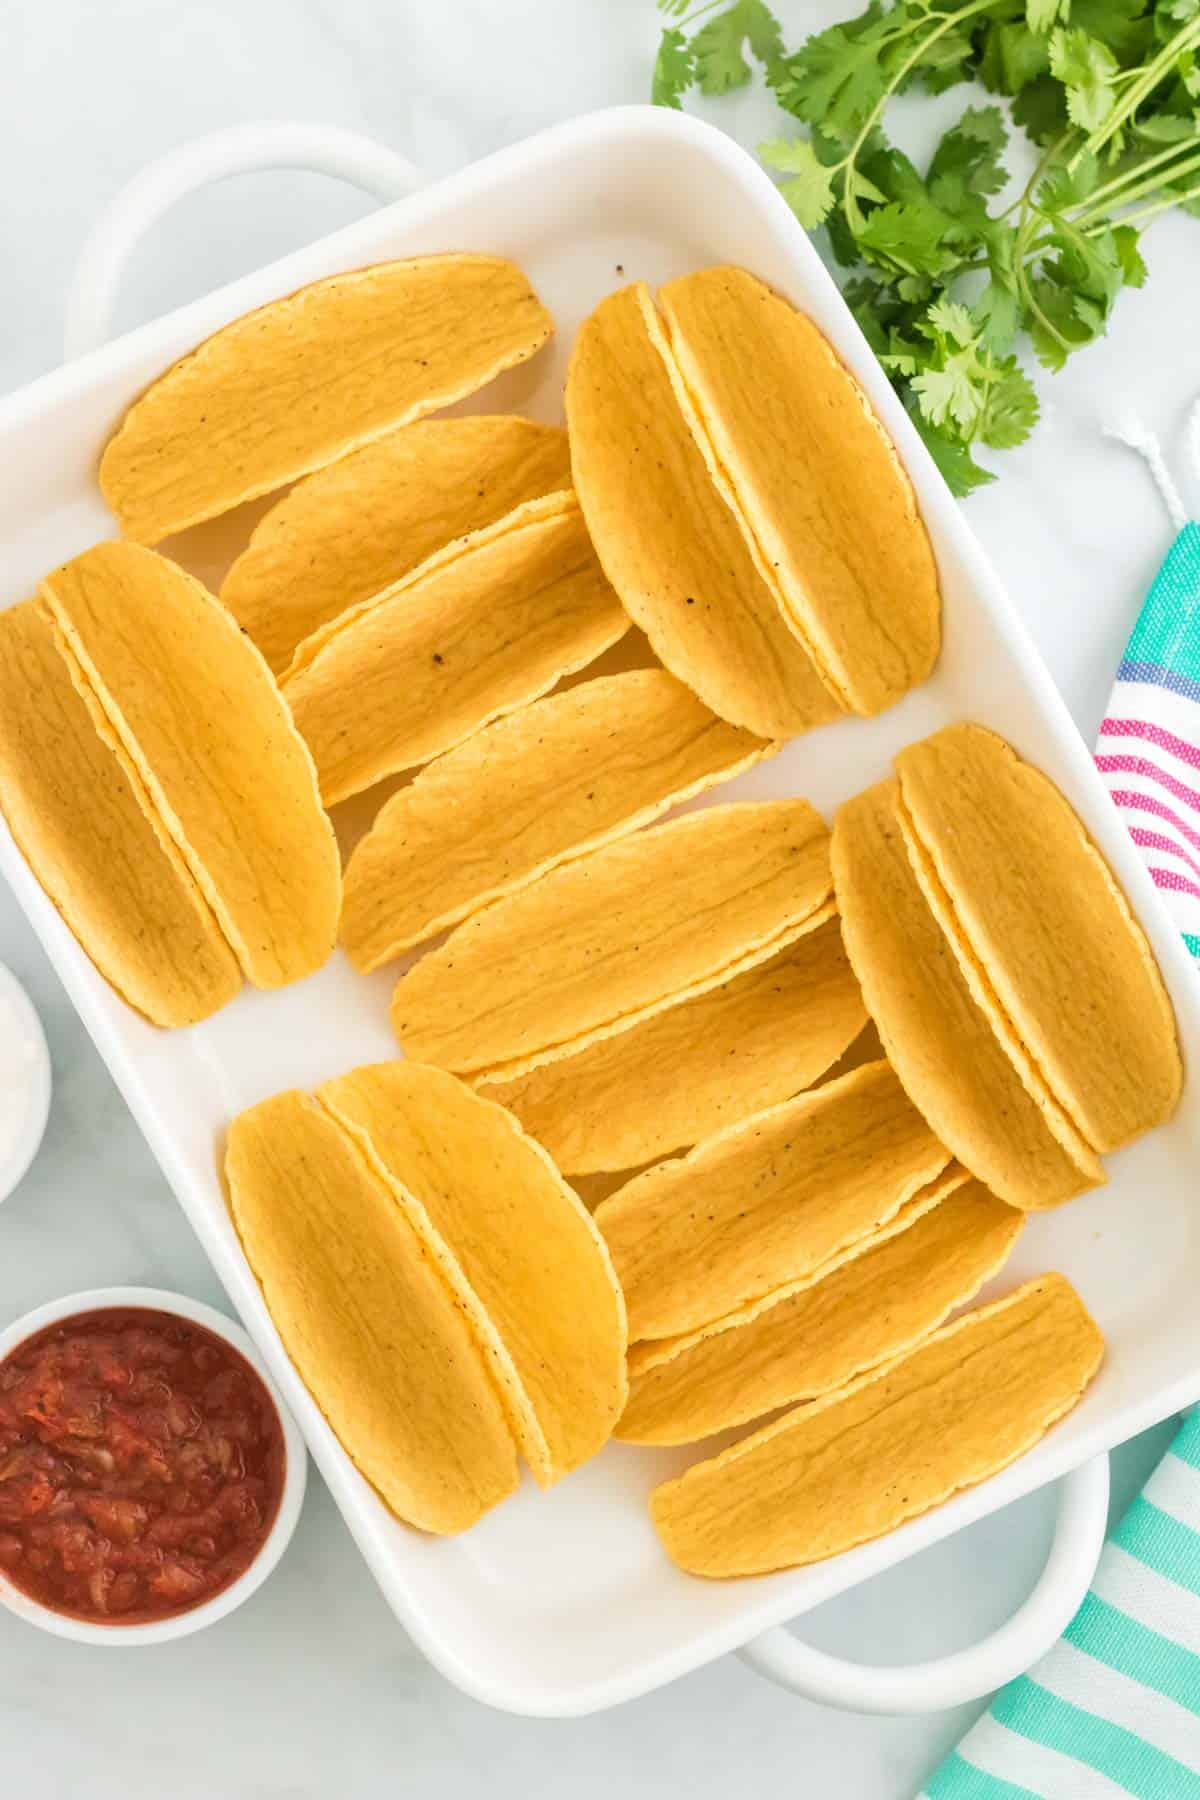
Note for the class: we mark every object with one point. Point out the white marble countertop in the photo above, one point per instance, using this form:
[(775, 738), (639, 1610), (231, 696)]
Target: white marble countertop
[(312, 1689)]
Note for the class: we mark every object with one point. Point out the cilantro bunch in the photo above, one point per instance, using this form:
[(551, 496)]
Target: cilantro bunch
[(947, 284)]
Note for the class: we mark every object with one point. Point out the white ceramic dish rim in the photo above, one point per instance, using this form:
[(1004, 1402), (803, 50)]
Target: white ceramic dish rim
[(602, 135), (38, 1087), (295, 1479)]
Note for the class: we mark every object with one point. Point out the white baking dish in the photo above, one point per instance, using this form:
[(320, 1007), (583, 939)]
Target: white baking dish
[(562, 1603)]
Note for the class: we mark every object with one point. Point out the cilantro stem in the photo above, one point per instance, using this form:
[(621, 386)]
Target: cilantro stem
[(1187, 148), (1153, 73), (1023, 251), (1024, 199), (1152, 184), (1046, 324), (1163, 205), (981, 417)]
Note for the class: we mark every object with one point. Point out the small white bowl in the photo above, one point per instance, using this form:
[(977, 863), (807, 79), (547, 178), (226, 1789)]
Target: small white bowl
[(37, 1108), (181, 1624)]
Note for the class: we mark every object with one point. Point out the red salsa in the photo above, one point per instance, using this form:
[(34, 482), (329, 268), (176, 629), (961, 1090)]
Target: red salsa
[(141, 1465)]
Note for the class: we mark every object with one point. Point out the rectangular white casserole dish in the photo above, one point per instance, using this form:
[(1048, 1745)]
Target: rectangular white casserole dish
[(563, 1603)]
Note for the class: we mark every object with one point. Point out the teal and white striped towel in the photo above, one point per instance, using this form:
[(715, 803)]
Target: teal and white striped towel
[(1149, 748), (1114, 1709)]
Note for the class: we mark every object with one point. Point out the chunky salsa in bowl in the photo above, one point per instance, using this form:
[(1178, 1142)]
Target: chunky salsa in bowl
[(149, 1476)]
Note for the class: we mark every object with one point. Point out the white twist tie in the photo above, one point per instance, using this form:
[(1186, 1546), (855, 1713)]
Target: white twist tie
[(1128, 429)]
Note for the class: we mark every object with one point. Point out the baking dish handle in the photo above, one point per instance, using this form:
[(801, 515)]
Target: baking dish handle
[(324, 149), (969, 1674)]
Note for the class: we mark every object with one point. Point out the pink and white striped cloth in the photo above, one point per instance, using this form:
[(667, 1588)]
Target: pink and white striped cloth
[(1149, 748)]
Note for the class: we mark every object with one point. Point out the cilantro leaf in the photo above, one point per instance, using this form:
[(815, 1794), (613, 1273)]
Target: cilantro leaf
[(674, 69), (926, 229), (967, 161), (963, 221), (893, 173), (836, 79), (915, 290), (958, 468), (1013, 56), (952, 386), (1090, 315), (1011, 410), (1069, 185), (961, 387), (1086, 68), (908, 236), (997, 311), (1133, 267), (948, 396), (1041, 109), (842, 241), (809, 193), (1054, 328), (948, 319), (719, 46), (1167, 128), (763, 31), (1087, 263), (946, 61), (870, 302), (1126, 26), (1042, 14), (900, 358)]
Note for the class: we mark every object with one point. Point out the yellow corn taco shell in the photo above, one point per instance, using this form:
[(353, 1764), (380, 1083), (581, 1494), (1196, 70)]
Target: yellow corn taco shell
[(668, 541), (827, 504), (767, 1201), (598, 945), (301, 381), (955, 1067), (1031, 907), (194, 711), (592, 1189), (85, 829), (652, 1353), (465, 639), (900, 1440), (865, 1048), (685, 1073), (875, 1307), (366, 1317), (355, 528), (527, 1266), (536, 789)]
